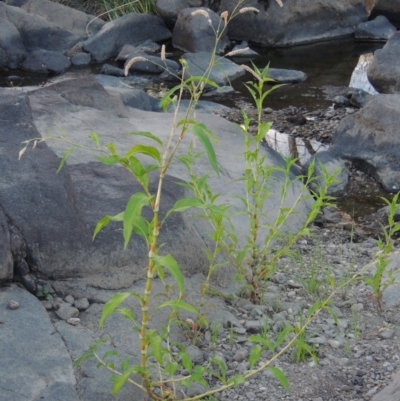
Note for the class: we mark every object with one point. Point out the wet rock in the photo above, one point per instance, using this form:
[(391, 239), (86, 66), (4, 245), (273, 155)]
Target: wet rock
[(132, 28), (286, 76), (80, 58), (195, 29), (6, 256), (108, 69), (169, 10), (29, 282), (22, 268), (377, 30), (384, 70), (139, 99), (389, 8), (242, 50), (46, 61)]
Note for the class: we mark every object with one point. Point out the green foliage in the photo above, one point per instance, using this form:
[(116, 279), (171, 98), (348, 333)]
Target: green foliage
[(383, 277), (117, 8)]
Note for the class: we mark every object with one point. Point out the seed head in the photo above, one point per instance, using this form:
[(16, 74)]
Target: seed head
[(132, 61), (248, 9)]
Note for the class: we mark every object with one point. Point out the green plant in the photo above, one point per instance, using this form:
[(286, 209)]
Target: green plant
[(45, 293), (117, 8), (356, 328), (157, 372), (383, 277)]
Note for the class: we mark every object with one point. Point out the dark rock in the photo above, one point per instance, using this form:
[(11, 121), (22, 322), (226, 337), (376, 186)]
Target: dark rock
[(29, 282), (72, 20), (222, 73), (360, 98), (36, 32), (46, 61), (149, 46), (108, 69), (87, 92), (370, 139), (377, 30), (282, 26), (131, 28), (21, 268), (6, 257), (242, 50), (389, 8), (139, 99), (286, 76), (168, 10), (298, 119), (152, 64), (332, 164), (80, 58), (195, 31), (11, 45), (384, 70), (126, 52)]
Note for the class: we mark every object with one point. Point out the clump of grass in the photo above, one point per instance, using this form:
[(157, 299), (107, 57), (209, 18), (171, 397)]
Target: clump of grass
[(118, 8)]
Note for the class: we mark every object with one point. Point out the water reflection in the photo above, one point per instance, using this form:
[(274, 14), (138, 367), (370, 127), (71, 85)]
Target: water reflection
[(297, 148), (359, 79)]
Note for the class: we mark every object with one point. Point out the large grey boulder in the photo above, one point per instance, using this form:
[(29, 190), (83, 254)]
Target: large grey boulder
[(371, 139), (56, 214), (389, 8), (295, 22), (384, 70), (132, 29), (46, 61), (222, 73), (35, 363), (36, 32), (377, 30), (168, 10), (70, 19), (11, 44), (196, 30)]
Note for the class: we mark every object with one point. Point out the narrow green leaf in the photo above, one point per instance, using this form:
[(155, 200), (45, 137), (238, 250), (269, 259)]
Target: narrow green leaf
[(186, 362), (109, 160), (100, 225), (169, 263), (108, 354), (147, 135), (150, 151), (200, 132), (254, 356), (132, 214), (64, 158), (280, 376), (83, 358), (184, 204), (111, 305), (237, 380), (155, 342), (119, 382), (178, 304), (95, 138)]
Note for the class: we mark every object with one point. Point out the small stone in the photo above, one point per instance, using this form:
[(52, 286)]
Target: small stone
[(240, 355), (195, 354), (73, 321), (293, 284), (317, 340), (13, 305), (69, 299), (334, 344), (387, 333), (66, 312), (81, 304), (47, 305), (357, 307)]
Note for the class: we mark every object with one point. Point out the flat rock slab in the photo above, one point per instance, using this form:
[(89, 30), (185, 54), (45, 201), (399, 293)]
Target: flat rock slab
[(391, 392), (35, 364)]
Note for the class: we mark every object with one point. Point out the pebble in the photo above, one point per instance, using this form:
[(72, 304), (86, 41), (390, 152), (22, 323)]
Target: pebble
[(13, 305), (69, 299), (357, 307), (335, 344), (82, 304), (47, 305), (73, 321), (65, 312), (387, 333)]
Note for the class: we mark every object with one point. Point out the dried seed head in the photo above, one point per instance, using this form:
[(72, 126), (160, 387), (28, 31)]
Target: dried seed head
[(248, 9), (252, 72), (279, 2), (238, 51), (132, 61), (204, 13), (163, 52), (224, 16)]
